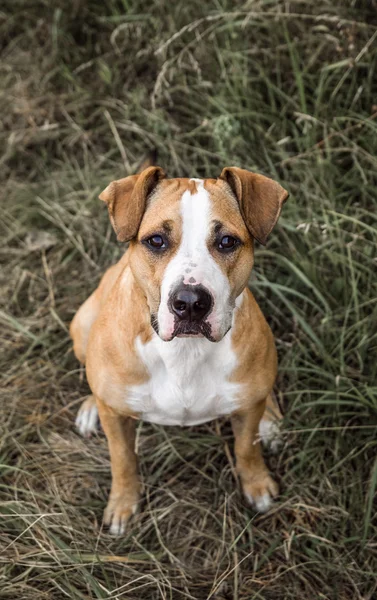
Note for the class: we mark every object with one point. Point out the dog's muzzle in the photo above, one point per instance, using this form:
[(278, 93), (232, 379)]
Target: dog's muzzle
[(190, 305)]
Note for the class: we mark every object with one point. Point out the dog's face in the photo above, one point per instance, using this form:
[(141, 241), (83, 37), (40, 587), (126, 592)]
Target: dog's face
[(191, 247)]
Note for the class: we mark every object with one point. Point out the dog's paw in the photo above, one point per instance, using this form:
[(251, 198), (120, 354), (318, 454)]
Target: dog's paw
[(270, 435), (87, 417), (260, 492), (117, 513)]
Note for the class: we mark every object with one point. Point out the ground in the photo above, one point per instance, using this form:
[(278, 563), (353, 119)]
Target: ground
[(285, 88)]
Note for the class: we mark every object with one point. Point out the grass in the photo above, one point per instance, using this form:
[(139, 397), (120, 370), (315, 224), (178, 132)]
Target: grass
[(285, 88)]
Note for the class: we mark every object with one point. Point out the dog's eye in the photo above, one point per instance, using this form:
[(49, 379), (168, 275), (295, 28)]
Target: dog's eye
[(156, 242), (228, 242)]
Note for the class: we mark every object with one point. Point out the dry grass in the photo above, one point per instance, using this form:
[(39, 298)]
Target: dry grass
[(286, 88)]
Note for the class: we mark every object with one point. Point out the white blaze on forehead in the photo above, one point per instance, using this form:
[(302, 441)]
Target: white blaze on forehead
[(195, 213), (193, 264)]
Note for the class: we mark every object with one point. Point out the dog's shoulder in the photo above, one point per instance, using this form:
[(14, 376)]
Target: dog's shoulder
[(253, 344)]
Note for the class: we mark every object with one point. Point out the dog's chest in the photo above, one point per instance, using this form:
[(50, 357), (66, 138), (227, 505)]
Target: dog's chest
[(189, 381)]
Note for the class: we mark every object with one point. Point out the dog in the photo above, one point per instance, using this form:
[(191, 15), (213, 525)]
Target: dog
[(172, 335)]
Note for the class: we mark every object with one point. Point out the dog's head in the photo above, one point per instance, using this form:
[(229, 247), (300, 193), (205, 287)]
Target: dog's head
[(191, 243)]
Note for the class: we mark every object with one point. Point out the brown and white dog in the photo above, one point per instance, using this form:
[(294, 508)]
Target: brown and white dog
[(172, 335)]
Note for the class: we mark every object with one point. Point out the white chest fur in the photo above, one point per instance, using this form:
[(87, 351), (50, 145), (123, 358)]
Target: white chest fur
[(189, 381)]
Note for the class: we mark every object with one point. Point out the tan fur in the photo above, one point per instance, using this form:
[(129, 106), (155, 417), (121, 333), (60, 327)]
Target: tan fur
[(125, 488), (225, 210), (254, 345), (106, 326), (126, 200), (88, 312), (260, 199)]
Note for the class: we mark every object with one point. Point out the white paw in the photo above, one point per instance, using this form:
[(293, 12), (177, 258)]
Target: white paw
[(269, 432), (117, 528), (117, 515), (260, 503), (87, 417), (260, 492)]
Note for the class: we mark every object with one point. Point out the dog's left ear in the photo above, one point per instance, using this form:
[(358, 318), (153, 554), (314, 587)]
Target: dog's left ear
[(126, 201), (260, 200)]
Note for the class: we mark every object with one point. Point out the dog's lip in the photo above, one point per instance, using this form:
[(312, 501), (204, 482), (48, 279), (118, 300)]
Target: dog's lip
[(190, 334), (198, 330)]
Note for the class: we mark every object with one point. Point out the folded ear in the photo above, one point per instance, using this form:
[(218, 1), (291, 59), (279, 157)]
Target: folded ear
[(126, 201), (260, 200)]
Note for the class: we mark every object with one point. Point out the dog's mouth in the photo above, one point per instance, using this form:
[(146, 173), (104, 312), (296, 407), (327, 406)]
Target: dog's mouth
[(184, 329), (193, 329)]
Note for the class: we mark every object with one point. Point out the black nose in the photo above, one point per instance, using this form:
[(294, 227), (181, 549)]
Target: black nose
[(191, 303)]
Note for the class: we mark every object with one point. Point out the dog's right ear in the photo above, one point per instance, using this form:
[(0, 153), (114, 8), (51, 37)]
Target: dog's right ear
[(126, 200)]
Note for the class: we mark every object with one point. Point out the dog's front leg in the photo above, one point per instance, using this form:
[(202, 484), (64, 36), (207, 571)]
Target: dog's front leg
[(125, 487), (259, 488)]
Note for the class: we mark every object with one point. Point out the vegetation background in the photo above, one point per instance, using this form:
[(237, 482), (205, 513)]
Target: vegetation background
[(284, 87)]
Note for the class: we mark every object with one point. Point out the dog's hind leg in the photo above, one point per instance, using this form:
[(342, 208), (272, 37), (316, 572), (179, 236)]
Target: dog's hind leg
[(269, 425), (87, 418), (82, 324)]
